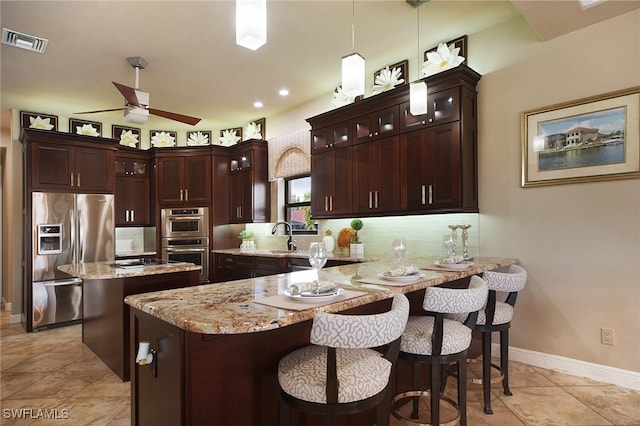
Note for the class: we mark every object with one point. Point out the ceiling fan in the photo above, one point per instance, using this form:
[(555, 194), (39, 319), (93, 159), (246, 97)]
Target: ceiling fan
[(137, 108)]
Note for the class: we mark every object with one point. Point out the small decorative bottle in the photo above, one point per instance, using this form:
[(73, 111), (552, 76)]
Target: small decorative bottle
[(328, 241)]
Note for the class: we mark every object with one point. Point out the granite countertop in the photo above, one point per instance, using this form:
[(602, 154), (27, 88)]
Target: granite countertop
[(231, 308), (298, 254), (109, 270)]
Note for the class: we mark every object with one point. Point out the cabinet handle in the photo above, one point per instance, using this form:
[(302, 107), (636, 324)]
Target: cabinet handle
[(186, 194), (375, 134), (71, 179), (132, 216), (78, 179), (331, 203), (370, 201), (126, 215), (326, 203), (424, 194), (430, 194), (181, 195), (431, 120), (376, 199), (424, 122)]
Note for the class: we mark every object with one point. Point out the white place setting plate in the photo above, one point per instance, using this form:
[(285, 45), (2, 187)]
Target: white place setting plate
[(461, 265), (402, 278), (313, 297)]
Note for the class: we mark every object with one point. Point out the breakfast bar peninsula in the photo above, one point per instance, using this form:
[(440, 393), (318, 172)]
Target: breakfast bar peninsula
[(215, 348)]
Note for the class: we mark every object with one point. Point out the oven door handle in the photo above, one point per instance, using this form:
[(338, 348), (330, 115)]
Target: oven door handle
[(175, 250), (183, 218)]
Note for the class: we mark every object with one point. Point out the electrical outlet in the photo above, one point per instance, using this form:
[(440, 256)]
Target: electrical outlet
[(606, 336)]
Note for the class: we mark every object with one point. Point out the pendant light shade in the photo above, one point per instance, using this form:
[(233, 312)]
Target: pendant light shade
[(353, 75), (418, 98), (251, 23)]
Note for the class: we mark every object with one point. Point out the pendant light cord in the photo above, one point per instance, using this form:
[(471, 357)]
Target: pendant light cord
[(353, 26), (418, 52)]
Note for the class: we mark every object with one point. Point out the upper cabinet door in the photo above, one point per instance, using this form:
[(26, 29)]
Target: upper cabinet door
[(377, 125), (71, 168), (331, 137), (442, 107)]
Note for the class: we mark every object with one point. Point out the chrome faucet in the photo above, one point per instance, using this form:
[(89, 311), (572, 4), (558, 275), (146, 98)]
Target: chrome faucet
[(291, 245)]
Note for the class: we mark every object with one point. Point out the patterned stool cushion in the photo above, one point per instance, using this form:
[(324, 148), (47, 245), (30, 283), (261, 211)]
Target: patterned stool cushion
[(362, 373), (416, 338), (503, 315)]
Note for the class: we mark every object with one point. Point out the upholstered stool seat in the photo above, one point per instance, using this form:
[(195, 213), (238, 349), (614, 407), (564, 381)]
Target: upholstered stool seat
[(362, 374), (438, 341), (342, 372)]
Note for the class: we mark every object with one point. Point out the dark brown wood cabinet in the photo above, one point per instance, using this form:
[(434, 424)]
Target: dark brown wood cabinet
[(332, 183), (376, 125), (337, 135), (184, 178), (69, 163), (396, 162), (376, 168), (249, 183), (133, 201)]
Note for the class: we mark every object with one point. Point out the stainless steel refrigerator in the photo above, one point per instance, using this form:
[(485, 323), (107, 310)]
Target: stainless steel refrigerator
[(67, 229)]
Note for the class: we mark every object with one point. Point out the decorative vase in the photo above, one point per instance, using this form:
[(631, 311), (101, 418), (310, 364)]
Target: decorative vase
[(329, 243), (248, 245), (356, 250)]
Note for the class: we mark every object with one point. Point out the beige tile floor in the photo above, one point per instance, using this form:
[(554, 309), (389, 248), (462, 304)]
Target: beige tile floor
[(51, 373)]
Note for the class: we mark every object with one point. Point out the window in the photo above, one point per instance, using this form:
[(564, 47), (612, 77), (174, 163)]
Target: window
[(298, 204)]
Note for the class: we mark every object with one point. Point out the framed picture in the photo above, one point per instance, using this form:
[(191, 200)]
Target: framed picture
[(230, 136), (584, 140), (84, 127), (36, 120), (403, 65), (256, 129), (163, 138), (128, 136), (199, 138), (460, 42)]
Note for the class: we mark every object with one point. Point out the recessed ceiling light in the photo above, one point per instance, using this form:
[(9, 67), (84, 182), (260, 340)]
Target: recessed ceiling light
[(283, 92), (258, 104)]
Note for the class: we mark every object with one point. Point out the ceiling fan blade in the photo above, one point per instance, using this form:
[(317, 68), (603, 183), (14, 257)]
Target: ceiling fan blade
[(174, 116), (129, 93), (100, 110)]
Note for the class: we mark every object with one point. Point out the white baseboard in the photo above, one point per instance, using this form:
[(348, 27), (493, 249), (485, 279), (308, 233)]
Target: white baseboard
[(601, 373)]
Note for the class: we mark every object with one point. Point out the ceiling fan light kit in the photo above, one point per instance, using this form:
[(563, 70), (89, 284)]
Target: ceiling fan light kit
[(137, 108)]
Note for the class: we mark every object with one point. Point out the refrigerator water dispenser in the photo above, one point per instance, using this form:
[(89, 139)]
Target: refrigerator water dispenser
[(50, 238)]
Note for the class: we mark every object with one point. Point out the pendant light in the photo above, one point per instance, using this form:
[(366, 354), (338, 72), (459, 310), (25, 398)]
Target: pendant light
[(418, 89), (353, 66), (251, 23)]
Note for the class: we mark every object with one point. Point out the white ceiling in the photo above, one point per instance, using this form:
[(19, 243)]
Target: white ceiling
[(195, 67)]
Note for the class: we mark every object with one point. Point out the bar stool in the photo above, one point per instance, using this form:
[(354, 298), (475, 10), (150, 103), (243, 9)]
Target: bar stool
[(496, 317), (341, 373), (438, 341)]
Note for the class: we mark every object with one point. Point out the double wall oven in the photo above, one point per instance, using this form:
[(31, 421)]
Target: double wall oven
[(185, 237)]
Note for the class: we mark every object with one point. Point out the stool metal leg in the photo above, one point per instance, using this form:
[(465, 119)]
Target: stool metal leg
[(462, 391), (434, 388), (486, 371), (504, 361), (416, 385)]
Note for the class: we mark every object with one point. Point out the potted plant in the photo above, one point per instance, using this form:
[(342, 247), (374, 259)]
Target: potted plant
[(247, 240), (356, 248)]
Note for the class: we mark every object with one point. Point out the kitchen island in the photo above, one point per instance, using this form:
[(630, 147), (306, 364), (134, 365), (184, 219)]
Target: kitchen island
[(105, 323), (217, 346)]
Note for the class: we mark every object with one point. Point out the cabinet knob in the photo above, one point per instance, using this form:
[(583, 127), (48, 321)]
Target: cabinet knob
[(431, 120)]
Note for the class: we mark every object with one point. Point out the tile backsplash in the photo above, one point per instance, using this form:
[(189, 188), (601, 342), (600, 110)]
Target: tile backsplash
[(423, 233)]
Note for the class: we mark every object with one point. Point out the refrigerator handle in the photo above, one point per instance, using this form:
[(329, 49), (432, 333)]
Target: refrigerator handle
[(72, 243), (79, 243)]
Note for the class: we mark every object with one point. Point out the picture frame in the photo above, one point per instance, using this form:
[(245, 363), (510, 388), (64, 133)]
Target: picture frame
[(46, 122), (460, 42), (117, 130), (262, 123), (586, 140), (404, 67), (162, 144), (193, 140), (74, 123), (238, 131)]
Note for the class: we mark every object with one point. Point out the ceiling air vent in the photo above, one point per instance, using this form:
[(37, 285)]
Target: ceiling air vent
[(24, 41)]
